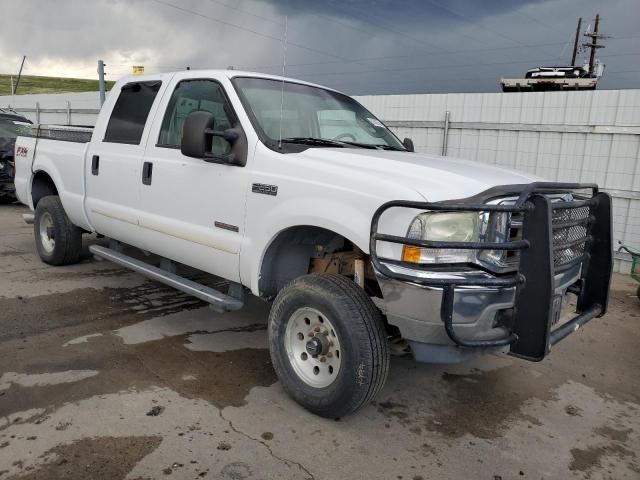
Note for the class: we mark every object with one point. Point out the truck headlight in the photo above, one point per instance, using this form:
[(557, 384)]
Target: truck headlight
[(442, 226)]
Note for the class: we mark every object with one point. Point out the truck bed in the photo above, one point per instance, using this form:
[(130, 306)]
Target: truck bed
[(59, 151)]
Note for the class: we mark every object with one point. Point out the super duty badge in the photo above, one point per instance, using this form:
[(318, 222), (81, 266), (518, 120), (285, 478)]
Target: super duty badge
[(264, 189)]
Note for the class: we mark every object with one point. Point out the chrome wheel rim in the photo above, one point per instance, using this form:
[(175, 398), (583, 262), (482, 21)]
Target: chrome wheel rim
[(46, 229), (313, 347)]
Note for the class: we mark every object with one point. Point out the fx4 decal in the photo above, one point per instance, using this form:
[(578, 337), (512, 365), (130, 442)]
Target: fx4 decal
[(21, 151)]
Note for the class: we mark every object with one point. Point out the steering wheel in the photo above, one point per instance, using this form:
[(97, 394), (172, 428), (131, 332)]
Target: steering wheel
[(342, 136)]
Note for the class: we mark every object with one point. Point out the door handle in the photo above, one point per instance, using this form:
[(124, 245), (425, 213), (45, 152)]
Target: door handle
[(95, 165), (147, 172)]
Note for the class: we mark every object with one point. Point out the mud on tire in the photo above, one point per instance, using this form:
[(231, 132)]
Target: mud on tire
[(331, 309), (58, 241)]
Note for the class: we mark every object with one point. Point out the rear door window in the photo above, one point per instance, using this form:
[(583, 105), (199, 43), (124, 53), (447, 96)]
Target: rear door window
[(130, 112)]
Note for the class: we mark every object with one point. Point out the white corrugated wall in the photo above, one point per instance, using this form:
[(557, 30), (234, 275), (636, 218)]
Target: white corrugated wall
[(53, 107), (589, 136)]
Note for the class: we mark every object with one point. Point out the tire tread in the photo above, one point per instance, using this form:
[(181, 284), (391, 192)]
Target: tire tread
[(69, 247), (352, 299)]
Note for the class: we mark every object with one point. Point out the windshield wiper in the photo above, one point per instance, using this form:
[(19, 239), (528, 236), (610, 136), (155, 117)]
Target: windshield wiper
[(319, 142), (361, 145), (376, 146), (326, 142), (390, 147)]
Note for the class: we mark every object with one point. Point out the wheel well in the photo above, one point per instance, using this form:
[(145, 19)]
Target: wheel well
[(41, 187), (299, 250)]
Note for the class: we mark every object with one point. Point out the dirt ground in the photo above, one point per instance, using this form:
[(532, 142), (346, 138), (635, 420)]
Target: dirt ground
[(106, 375)]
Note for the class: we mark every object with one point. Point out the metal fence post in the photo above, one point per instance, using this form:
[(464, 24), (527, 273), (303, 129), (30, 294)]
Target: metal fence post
[(68, 112), (445, 133), (38, 112), (101, 83)]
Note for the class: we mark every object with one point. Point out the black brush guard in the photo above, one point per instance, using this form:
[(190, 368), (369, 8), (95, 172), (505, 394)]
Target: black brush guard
[(537, 307)]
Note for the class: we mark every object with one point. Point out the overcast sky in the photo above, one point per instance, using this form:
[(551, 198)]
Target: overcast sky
[(358, 46)]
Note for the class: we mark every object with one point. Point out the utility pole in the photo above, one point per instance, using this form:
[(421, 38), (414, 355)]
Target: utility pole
[(575, 43), (19, 74), (101, 84), (593, 45)]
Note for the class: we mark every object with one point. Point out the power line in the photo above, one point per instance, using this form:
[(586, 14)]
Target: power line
[(341, 59), (246, 29), (472, 21), (255, 15), (391, 57), (255, 32), (383, 26), (539, 22), (431, 67), (414, 68)]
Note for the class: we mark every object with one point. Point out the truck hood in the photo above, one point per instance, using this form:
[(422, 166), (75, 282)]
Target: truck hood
[(434, 177)]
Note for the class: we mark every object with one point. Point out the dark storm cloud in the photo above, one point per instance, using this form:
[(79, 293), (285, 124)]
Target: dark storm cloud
[(360, 46), (403, 11)]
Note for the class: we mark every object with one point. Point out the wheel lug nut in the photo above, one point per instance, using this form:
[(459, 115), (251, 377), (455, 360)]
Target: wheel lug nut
[(317, 329), (310, 334), (330, 343), (330, 354), (325, 333), (323, 359)]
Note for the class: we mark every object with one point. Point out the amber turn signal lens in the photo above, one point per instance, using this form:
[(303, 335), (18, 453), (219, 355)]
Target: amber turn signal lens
[(411, 254)]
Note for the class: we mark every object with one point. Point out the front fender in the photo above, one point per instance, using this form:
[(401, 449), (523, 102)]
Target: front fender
[(351, 220)]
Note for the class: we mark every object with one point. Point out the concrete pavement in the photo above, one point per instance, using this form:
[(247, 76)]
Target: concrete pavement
[(106, 375)]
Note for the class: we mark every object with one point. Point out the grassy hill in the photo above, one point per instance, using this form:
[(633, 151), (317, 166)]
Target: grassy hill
[(33, 84)]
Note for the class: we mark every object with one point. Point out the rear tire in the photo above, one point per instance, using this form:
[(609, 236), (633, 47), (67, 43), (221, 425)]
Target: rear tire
[(58, 241), (328, 344)]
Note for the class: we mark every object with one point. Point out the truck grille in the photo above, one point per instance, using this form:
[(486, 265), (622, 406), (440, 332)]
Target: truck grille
[(570, 234), (569, 225)]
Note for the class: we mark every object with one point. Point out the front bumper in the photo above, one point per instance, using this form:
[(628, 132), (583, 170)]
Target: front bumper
[(519, 311)]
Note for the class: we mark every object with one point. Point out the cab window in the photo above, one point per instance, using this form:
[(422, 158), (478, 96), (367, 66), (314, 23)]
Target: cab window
[(130, 112), (190, 96)]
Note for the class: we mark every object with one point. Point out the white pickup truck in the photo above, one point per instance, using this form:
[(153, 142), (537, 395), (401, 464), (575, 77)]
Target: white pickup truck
[(301, 196)]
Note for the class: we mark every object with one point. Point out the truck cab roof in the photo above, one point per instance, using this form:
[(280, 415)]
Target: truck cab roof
[(217, 72)]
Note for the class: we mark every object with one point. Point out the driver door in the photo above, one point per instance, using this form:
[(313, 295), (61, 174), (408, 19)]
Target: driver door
[(192, 211)]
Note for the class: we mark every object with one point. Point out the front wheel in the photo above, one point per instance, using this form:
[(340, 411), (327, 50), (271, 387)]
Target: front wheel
[(328, 344), (58, 241)]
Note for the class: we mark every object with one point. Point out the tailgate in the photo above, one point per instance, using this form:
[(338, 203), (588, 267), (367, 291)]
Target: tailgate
[(24, 154)]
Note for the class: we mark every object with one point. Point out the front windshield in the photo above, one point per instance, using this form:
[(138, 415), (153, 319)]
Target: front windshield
[(293, 111)]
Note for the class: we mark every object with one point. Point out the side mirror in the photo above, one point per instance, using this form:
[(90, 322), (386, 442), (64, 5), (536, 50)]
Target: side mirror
[(408, 144), (197, 140)]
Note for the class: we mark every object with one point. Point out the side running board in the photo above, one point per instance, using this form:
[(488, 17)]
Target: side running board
[(218, 300)]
